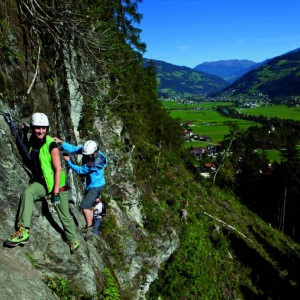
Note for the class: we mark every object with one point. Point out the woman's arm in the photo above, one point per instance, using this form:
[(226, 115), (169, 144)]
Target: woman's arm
[(81, 170), (68, 147), (57, 169)]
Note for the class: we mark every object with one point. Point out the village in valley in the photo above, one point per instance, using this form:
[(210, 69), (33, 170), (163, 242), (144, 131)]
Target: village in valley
[(200, 152)]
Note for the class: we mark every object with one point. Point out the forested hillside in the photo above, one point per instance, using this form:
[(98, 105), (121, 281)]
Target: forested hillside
[(278, 78), (179, 81), (168, 234)]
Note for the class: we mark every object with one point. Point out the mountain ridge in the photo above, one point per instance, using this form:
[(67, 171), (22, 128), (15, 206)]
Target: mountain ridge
[(228, 70), (180, 81), (278, 77)]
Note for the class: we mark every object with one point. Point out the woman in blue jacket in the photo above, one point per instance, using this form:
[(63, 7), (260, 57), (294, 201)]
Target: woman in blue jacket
[(93, 165)]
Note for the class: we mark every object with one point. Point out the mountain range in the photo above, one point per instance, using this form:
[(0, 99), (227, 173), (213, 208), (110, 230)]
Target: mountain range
[(229, 70), (275, 77)]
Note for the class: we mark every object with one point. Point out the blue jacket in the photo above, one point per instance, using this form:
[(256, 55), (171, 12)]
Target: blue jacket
[(93, 169)]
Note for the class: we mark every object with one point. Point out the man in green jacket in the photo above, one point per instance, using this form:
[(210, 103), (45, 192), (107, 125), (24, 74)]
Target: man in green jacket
[(48, 179)]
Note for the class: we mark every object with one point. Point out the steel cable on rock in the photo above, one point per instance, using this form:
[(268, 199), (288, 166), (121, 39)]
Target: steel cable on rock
[(9, 120)]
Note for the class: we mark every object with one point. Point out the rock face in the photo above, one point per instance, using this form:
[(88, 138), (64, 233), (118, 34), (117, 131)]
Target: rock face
[(23, 269), (25, 90)]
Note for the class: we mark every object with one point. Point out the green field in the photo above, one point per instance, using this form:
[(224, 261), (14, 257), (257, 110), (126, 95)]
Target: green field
[(175, 105), (279, 111), (206, 121), (209, 122)]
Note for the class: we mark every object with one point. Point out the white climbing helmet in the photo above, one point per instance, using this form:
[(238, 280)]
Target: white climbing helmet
[(39, 119), (89, 147)]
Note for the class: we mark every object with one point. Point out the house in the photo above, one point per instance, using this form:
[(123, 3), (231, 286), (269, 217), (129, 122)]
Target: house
[(187, 134), (197, 152)]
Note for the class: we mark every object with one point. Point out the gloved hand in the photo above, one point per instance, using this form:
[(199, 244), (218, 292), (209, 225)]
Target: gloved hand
[(55, 199)]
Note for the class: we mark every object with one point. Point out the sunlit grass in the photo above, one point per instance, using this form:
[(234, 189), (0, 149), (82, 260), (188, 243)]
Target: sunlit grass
[(208, 122), (206, 105), (278, 111), (211, 123)]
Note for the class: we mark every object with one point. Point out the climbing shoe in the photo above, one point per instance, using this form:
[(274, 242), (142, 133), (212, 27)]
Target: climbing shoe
[(89, 233), (20, 237), (74, 247)]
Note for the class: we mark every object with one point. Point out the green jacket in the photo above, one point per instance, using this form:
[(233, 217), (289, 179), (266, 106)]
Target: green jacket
[(46, 165)]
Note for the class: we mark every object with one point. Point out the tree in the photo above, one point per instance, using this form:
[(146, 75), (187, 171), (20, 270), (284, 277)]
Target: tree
[(288, 207)]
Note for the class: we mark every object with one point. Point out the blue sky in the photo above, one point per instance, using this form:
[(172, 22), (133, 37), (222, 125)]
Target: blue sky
[(189, 32)]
